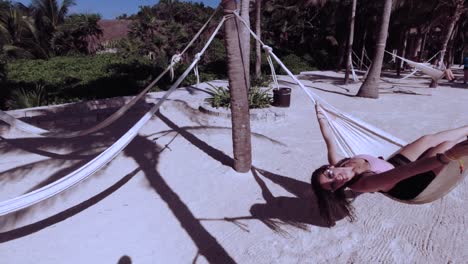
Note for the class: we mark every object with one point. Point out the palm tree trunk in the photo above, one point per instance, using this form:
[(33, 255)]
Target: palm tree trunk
[(245, 39), (453, 20), (370, 87), (238, 89), (363, 48), (401, 52), (451, 25), (349, 60), (258, 31)]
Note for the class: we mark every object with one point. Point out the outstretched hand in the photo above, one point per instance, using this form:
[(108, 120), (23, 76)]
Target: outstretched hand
[(320, 112)]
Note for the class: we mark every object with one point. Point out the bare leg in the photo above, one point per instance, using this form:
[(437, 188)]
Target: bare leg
[(448, 75), (441, 148), (414, 150)]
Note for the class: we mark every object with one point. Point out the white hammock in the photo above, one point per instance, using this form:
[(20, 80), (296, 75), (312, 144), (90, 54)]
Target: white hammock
[(354, 136), (16, 123), (82, 173), (434, 73)]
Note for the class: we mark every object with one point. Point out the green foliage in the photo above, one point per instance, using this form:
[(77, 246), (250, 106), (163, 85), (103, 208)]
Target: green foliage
[(258, 97), (168, 26), (220, 97), (295, 64), (263, 81), (73, 35), (2, 69), (23, 98), (91, 77), (3, 90)]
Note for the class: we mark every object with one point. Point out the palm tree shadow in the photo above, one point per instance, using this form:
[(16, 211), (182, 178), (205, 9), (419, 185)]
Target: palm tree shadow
[(146, 155)]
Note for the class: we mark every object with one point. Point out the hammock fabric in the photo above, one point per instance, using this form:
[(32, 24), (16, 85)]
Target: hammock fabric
[(434, 73), (354, 136)]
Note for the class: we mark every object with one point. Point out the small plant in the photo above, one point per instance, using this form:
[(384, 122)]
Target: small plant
[(23, 98), (257, 97), (220, 97)]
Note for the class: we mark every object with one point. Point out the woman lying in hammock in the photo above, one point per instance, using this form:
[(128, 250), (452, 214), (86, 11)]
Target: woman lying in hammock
[(403, 176)]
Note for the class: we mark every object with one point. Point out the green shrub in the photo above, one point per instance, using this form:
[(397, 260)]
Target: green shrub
[(3, 89), (220, 97), (295, 64), (23, 98), (82, 78), (2, 69), (258, 97), (263, 81)]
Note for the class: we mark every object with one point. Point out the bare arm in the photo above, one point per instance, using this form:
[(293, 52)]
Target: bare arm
[(333, 154), (386, 180)]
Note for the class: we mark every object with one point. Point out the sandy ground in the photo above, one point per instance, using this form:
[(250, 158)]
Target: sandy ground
[(172, 197)]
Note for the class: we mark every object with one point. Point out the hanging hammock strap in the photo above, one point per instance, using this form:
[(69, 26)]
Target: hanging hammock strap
[(268, 50), (82, 173), (109, 120), (195, 69)]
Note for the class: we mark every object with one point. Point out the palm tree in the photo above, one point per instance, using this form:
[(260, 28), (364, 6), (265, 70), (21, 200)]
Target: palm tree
[(245, 38), (18, 34), (370, 87), (49, 15), (349, 60), (455, 8), (238, 89), (258, 32), (458, 8)]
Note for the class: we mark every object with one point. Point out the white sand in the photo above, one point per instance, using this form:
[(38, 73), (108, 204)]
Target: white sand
[(171, 196)]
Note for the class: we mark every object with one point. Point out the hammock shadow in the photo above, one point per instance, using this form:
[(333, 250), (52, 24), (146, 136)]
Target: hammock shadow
[(60, 165), (80, 116), (83, 149), (57, 218), (346, 93), (456, 85)]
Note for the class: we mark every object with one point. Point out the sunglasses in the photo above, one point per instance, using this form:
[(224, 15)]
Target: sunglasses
[(329, 174)]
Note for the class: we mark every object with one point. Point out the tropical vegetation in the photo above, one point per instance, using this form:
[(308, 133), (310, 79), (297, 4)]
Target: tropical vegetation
[(306, 35)]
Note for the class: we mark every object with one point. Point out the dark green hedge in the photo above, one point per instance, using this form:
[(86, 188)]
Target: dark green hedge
[(67, 79)]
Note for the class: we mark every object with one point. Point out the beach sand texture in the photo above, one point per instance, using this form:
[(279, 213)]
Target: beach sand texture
[(172, 197)]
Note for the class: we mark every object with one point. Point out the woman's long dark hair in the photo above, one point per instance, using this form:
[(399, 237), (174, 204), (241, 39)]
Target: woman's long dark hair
[(331, 204)]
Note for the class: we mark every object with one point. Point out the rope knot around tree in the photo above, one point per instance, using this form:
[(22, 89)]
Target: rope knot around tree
[(267, 48)]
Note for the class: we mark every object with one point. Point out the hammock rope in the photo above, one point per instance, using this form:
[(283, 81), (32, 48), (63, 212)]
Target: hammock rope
[(112, 118), (349, 144), (84, 172), (267, 50), (434, 73)]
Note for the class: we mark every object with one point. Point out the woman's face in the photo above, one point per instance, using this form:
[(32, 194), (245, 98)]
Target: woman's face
[(334, 178)]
